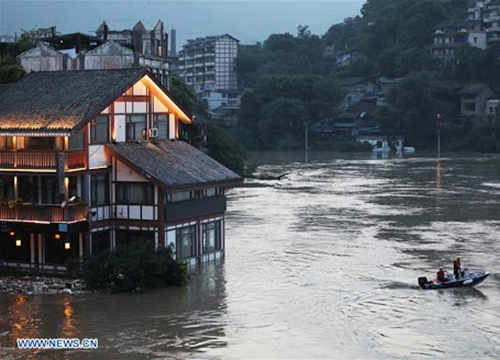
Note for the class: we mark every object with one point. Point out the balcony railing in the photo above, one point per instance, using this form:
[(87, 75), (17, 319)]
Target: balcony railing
[(41, 160), (44, 213)]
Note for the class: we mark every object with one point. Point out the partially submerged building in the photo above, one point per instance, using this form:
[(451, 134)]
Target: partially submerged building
[(92, 159)]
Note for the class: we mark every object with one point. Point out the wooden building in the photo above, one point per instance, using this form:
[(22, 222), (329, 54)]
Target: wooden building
[(91, 159)]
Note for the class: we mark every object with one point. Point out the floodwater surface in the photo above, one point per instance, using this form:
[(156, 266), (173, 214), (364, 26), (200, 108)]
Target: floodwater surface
[(322, 264)]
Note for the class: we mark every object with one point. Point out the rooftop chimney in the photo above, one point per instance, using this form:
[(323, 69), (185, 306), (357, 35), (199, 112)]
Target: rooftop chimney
[(173, 50)]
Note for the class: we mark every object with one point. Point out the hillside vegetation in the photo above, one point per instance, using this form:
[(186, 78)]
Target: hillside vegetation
[(291, 84)]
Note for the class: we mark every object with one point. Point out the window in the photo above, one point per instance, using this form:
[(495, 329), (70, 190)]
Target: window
[(99, 130), (126, 237), (134, 193), (72, 186), (99, 187), (49, 190), (470, 107), (179, 196), (76, 141), (6, 188), (211, 236), (186, 242), (41, 143), (6, 143), (210, 192), (135, 125), (160, 121)]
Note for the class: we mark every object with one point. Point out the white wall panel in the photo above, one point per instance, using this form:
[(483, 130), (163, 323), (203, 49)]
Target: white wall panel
[(119, 107), (140, 89), (140, 107), (124, 173), (158, 106), (97, 156), (119, 131)]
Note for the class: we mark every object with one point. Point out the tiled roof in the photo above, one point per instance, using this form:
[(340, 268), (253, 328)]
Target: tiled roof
[(4, 87), (61, 101), (473, 89), (366, 107), (174, 164)]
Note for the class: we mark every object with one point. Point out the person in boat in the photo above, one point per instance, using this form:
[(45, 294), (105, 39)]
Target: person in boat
[(441, 275), (457, 268)]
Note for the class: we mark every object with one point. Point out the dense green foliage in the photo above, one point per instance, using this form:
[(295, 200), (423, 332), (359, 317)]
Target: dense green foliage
[(291, 82), (226, 149), (221, 145), (10, 71), (135, 267)]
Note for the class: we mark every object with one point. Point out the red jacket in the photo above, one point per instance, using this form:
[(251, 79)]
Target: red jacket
[(456, 265), (440, 275)]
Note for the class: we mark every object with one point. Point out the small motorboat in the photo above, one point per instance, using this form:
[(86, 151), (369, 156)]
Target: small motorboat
[(468, 278)]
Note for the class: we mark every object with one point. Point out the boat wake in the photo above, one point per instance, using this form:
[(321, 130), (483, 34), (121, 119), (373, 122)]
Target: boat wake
[(398, 285)]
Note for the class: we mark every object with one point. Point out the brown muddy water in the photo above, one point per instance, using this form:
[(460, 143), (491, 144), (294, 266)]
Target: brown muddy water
[(320, 265)]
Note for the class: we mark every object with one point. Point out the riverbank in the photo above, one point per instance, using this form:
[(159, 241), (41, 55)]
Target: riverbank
[(41, 285)]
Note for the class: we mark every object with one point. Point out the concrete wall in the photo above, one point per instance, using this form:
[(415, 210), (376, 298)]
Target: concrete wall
[(109, 55)]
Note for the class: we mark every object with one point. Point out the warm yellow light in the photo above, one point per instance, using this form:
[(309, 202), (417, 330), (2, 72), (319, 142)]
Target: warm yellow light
[(18, 242), (67, 245), (12, 233), (57, 236)]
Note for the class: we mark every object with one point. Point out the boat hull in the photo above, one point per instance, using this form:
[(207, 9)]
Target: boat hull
[(471, 279)]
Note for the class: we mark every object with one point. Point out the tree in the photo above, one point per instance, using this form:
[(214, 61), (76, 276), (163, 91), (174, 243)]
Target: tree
[(184, 94), (10, 72), (28, 38), (283, 119), (226, 149)]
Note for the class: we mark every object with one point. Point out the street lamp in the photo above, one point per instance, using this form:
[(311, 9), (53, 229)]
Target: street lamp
[(439, 124)]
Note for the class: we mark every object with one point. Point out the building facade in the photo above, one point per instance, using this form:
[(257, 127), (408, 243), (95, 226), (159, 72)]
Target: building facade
[(90, 160), (481, 29), (207, 64), (109, 49)]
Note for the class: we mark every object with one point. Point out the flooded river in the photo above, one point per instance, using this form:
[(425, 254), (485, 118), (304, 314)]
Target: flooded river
[(322, 264)]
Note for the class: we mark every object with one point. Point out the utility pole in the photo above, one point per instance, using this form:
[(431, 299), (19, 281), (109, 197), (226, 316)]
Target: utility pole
[(306, 143), (439, 124)]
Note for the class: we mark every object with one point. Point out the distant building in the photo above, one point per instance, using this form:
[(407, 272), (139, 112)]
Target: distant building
[(481, 29), (451, 37), (385, 85), (346, 57), (7, 39), (477, 99), (207, 64), (109, 49)]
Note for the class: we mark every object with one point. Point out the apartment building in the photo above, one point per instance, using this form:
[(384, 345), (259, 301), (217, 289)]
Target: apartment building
[(207, 64)]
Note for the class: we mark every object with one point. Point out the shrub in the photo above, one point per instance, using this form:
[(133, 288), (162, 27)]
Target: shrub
[(134, 267)]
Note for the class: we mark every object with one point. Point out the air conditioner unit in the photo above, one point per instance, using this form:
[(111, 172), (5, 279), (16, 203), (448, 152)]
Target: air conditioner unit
[(154, 132)]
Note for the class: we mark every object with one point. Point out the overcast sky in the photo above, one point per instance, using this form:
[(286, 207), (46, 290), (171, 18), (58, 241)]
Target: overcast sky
[(249, 21)]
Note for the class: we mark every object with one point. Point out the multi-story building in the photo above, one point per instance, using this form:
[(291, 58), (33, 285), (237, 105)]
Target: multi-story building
[(207, 64), (109, 49), (491, 18), (451, 37), (92, 159), (481, 29)]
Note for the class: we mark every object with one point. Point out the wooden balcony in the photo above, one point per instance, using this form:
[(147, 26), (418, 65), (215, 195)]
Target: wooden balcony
[(42, 160), (44, 213)]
